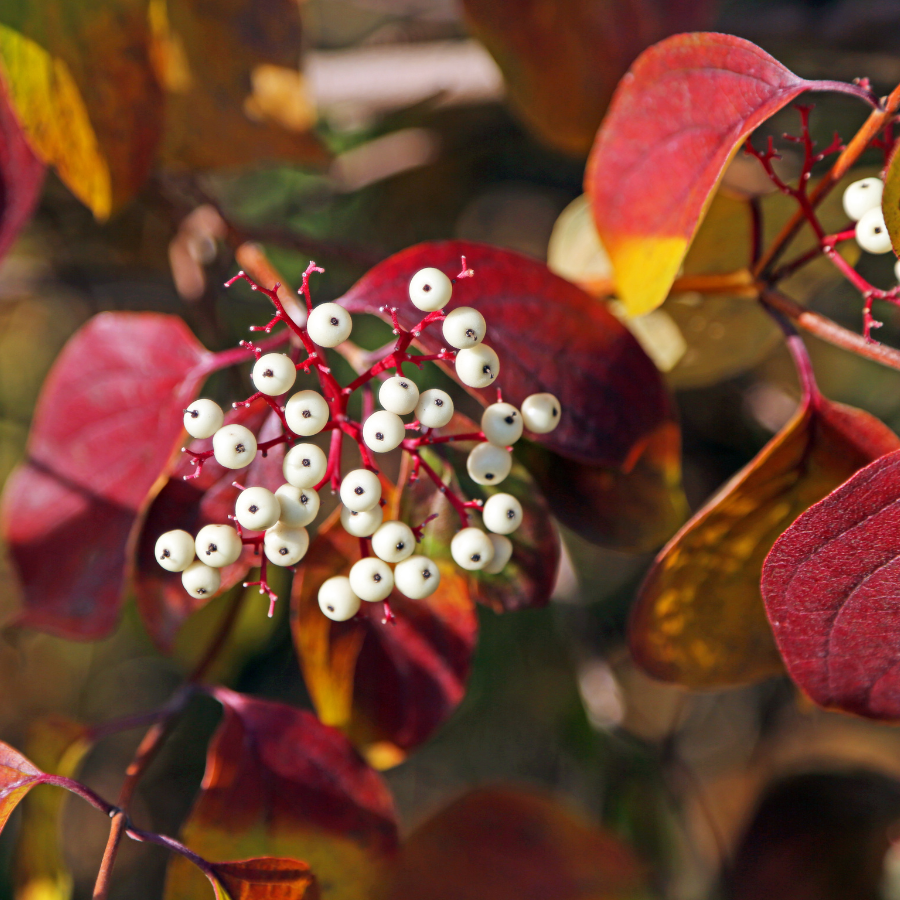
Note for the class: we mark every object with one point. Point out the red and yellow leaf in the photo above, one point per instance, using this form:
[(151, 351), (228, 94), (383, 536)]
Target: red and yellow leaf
[(676, 119), (17, 777), (267, 878), (699, 620)]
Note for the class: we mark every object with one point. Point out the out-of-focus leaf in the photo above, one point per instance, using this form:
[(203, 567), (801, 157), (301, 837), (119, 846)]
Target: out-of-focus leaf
[(830, 588), (267, 878), (549, 335), (58, 746), (383, 684), (562, 61), (818, 836), (84, 89), (21, 174), (699, 620), (636, 509), (17, 777), (280, 782), (507, 844), (106, 424), (674, 123), (234, 92), (163, 602)]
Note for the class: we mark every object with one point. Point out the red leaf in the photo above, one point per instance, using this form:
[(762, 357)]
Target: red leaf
[(674, 123), (267, 878), (17, 777), (393, 683), (549, 335), (21, 175), (280, 782), (163, 602), (107, 421), (830, 585), (508, 844)]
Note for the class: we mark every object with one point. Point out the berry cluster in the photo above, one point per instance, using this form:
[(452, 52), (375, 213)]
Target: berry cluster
[(276, 522), (862, 203)]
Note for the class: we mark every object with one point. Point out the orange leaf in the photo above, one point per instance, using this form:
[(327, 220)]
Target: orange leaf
[(266, 878), (699, 619), (17, 777)]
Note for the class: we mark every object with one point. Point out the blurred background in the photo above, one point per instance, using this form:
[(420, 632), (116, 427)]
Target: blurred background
[(413, 120)]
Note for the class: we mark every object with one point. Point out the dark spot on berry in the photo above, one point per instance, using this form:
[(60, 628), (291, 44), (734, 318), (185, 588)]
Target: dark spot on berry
[(426, 573), (508, 420), (283, 551), (400, 545), (555, 412), (438, 402), (304, 499), (306, 414), (470, 332), (194, 412), (379, 435), (359, 490), (404, 385), (476, 557), (426, 288), (212, 548), (330, 608), (334, 320), (353, 512), (489, 476), (376, 578), (510, 514), (487, 371), (877, 229), (165, 554), (240, 448), (268, 374), (201, 590), (306, 463), (254, 508)]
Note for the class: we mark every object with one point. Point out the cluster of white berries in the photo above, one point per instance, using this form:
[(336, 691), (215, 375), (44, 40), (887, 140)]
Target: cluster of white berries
[(862, 203), (283, 515)]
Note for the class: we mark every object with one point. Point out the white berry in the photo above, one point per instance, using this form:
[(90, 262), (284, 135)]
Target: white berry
[(299, 506), (540, 413), (360, 490), (284, 545), (897, 271), (362, 524), (218, 545), (871, 232), (175, 550), (203, 418), (861, 196), (478, 366), (274, 374), (337, 600), (434, 409), (383, 431), (488, 464), (304, 465), (503, 549), (430, 290), (371, 579), (502, 514), (399, 395), (417, 577), (502, 424), (257, 509), (471, 549), (234, 446), (329, 324), (200, 580), (306, 413), (464, 327), (394, 541)]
